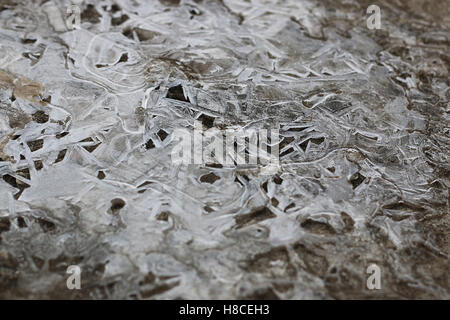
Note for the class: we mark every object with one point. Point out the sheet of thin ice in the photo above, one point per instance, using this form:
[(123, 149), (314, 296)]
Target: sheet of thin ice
[(86, 123)]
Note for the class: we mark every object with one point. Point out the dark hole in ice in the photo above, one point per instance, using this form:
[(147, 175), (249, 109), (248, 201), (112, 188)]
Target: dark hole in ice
[(119, 20), (357, 179), (262, 294), (206, 120), (162, 134), (288, 151), (35, 145), (297, 129), (304, 145), (40, 116), (24, 173), (142, 34), (318, 227), (117, 204), (38, 164), (404, 206), (123, 58), (253, 217), (317, 140), (90, 148), (163, 216), (38, 262), (47, 99), (61, 156), (209, 178), (214, 165), (177, 93), (238, 181), (144, 184), (21, 222), (16, 184), (10, 180), (149, 144), (101, 175), (31, 56), (277, 180), (46, 225), (5, 224), (28, 41), (60, 263), (264, 186), (90, 14), (348, 221), (60, 135), (170, 2), (274, 202)]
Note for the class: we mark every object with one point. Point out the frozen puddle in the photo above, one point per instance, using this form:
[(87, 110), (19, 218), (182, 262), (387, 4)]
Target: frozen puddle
[(88, 116)]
